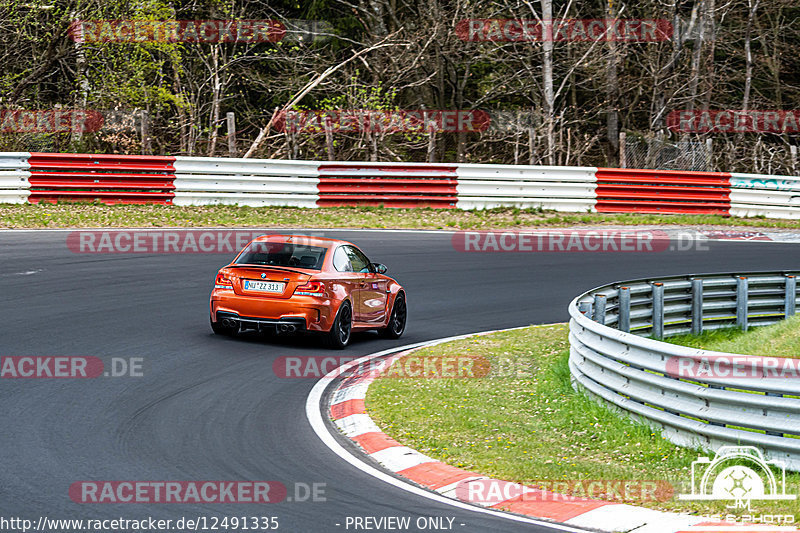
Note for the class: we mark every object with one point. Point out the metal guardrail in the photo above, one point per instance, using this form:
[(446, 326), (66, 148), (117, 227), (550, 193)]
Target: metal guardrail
[(570, 189), (662, 191), (111, 179), (699, 398), (404, 185), (52, 177), (250, 182), (769, 196), (14, 174)]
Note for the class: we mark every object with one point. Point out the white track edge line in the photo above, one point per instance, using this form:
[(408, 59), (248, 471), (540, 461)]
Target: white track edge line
[(314, 416)]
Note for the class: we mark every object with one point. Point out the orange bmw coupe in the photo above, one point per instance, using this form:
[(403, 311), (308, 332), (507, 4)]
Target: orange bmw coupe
[(294, 283)]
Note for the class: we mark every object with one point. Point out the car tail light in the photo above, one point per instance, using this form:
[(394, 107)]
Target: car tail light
[(312, 288), (222, 282)]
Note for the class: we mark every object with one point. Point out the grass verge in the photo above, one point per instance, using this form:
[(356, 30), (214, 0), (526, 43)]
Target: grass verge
[(525, 423), (778, 340), (82, 215)]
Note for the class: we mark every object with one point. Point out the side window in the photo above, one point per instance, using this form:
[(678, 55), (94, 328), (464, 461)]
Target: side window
[(341, 260), (358, 260)]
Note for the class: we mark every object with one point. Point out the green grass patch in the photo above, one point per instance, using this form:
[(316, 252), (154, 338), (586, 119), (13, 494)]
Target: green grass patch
[(525, 423), (83, 215), (778, 340), (707, 339)]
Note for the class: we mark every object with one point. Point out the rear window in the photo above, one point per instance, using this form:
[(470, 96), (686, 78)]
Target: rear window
[(282, 254)]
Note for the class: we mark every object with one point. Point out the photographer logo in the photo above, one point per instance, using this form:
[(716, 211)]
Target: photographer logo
[(739, 474)]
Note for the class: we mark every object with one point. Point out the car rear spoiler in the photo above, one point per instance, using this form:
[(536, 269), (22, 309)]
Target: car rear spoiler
[(268, 267)]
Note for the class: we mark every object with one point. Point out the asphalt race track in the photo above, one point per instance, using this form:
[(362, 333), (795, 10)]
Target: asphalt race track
[(211, 408)]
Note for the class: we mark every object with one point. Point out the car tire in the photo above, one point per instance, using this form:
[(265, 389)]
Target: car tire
[(219, 329), (397, 320), (341, 330)]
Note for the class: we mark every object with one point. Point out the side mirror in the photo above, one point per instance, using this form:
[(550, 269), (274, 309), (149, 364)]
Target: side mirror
[(380, 268)]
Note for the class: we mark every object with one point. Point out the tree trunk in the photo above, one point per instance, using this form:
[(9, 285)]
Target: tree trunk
[(83, 82), (144, 127), (612, 94), (373, 155), (708, 35), (215, 101), (748, 54), (547, 79), (532, 139), (661, 82), (185, 128), (748, 58), (694, 76), (431, 145)]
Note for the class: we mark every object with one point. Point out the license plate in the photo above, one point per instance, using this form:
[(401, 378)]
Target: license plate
[(263, 286)]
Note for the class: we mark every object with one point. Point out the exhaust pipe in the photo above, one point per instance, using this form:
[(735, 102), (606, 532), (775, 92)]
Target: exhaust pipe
[(229, 323), (287, 328)]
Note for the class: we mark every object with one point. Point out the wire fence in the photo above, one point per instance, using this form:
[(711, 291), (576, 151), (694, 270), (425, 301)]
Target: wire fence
[(664, 155)]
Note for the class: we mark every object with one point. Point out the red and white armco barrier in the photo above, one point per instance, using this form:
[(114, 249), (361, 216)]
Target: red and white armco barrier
[(38, 177)]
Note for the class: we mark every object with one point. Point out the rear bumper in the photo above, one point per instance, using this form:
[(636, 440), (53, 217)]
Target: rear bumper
[(284, 325), (305, 313)]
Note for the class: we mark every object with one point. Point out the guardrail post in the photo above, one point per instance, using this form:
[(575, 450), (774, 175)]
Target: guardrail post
[(791, 296), (697, 306), (230, 119), (741, 302), (600, 309), (658, 309), (624, 299)]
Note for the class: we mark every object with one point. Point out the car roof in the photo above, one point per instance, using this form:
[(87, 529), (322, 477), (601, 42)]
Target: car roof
[(305, 239)]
